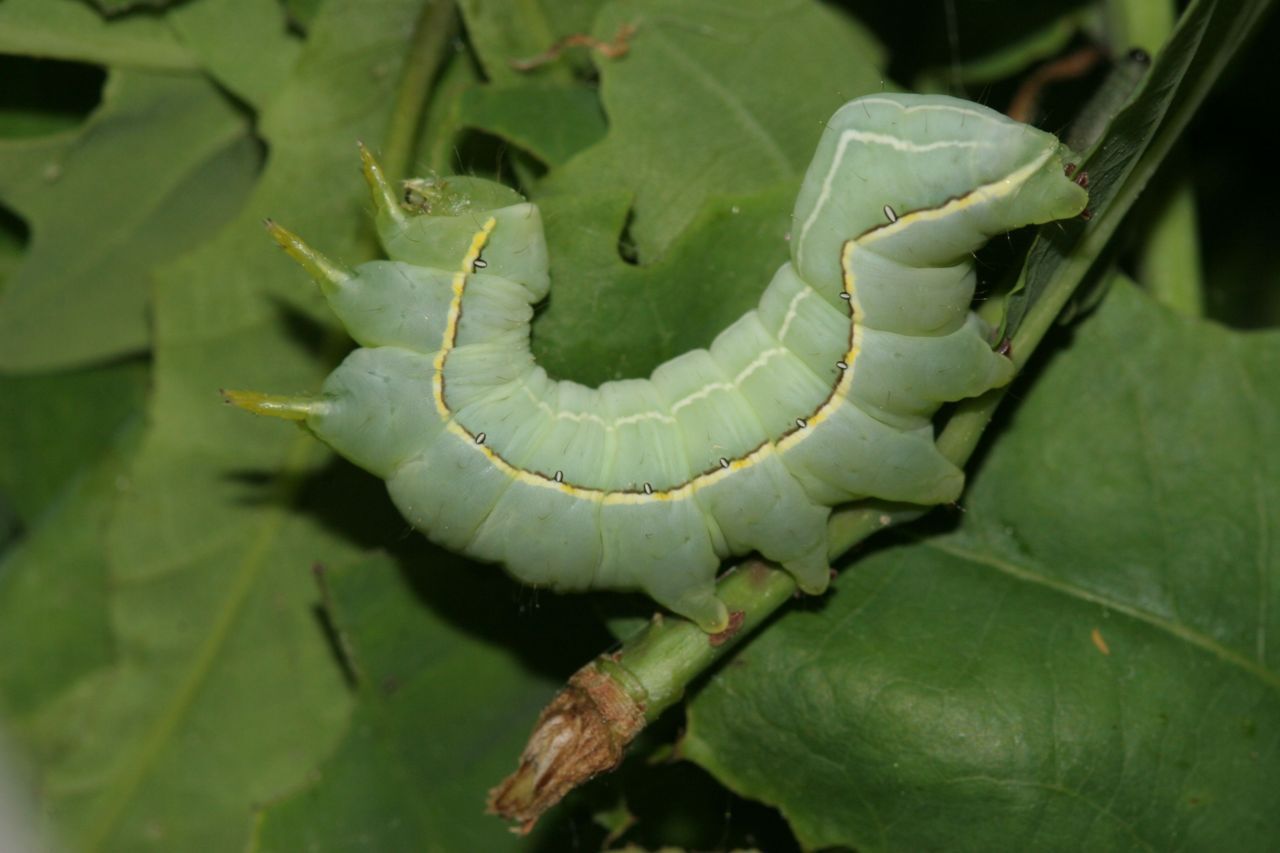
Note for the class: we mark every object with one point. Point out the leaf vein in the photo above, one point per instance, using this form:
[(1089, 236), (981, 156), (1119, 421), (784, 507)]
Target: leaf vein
[(1181, 632)]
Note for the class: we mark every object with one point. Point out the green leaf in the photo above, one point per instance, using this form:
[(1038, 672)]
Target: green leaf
[(162, 163), (1086, 662), (245, 45), (53, 586), (444, 707), (42, 97), (68, 29), (224, 692), (518, 113), (502, 32), (747, 115), (121, 7), (655, 186), (609, 319), (47, 435), (302, 12)]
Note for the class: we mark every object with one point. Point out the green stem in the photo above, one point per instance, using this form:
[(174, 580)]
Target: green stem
[(1139, 23), (1169, 258), (655, 669), (430, 44), (656, 665)]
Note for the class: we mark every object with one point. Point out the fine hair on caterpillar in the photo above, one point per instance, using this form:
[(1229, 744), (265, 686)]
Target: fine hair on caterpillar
[(822, 394)]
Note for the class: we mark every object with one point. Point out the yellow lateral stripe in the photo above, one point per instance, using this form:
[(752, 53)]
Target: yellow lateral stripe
[(845, 382), (477, 245), (986, 192), (459, 286), (681, 492), (612, 497)]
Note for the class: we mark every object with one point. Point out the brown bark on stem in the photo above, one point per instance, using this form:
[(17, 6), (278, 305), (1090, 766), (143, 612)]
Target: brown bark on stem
[(584, 732)]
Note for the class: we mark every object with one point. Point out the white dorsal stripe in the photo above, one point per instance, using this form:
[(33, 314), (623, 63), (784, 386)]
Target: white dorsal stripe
[(705, 391), (760, 361), (870, 137), (897, 143), (563, 415), (792, 307), (653, 415), (932, 108)]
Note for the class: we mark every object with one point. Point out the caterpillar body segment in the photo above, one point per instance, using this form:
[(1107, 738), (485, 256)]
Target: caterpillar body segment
[(821, 395)]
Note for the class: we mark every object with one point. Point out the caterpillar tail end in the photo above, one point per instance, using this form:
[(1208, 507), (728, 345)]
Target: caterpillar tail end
[(274, 405), (384, 195), (325, 272)]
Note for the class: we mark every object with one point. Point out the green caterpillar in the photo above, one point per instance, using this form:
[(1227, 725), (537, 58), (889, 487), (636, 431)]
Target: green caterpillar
[(822, 394)]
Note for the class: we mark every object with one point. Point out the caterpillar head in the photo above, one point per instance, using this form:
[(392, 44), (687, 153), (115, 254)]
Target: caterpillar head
[(433, 222)]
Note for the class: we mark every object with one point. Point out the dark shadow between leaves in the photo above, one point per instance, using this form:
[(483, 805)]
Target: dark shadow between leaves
[(673, 803), (483, 155), (308, 333), (44, 96)]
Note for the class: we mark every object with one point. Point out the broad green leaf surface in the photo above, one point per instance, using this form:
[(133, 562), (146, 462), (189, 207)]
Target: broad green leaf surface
[(711, 125), (1086, 662), (711, 99), (245, 45), (70, 29), (302, 12), (159, 166), (552, 121), (609, 319), (224, 692), (522, 29), (121, 7), (53, 588), (755, 83), (449, 687), (37, 463)]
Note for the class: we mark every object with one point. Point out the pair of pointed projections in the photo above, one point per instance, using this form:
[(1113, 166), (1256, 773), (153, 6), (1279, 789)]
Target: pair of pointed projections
[(822, 394)]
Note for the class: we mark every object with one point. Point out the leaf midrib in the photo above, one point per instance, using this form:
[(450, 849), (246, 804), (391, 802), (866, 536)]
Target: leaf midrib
[(166, 723)]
